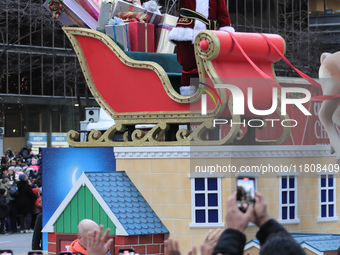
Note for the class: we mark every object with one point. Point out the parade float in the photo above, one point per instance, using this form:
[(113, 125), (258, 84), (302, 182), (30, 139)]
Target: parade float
[(185, 166)]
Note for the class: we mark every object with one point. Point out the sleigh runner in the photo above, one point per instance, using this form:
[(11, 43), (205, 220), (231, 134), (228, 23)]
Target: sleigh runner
[(142, 91)]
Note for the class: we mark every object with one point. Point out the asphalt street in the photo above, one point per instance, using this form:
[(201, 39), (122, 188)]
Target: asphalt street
[(20, 244)]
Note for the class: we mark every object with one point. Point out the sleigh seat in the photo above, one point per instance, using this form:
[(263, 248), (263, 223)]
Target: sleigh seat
[(168, 61)]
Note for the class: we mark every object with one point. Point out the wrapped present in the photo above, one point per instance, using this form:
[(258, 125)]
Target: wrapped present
[(122, 6), (91, 6), (163, 29), (120, 34), (104, 16), (70, 13), (132, 16), (141, 37), (153, 18), (154, 15)]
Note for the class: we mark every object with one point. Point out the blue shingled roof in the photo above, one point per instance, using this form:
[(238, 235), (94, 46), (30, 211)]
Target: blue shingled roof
[(320, 242), (127, 203)]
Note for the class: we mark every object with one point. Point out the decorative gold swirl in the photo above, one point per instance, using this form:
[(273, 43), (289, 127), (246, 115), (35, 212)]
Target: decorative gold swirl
[(182, 134), (214, 45), (94, 135)]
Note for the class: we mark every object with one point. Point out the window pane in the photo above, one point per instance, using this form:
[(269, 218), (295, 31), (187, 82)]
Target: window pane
[(323, 195), (212, 183), (199, 200), (323, 211), (284, 182), (199, 184), (330, 181), (331, 210), (323, 180), (284, 213), (212, 200), (200, 216), (284, 197), (291, 182), (212, 216), (330, 195), (292, 212), (291, 197)]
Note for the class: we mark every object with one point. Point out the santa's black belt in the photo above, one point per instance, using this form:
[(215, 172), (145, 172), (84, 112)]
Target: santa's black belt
[(187, 13)]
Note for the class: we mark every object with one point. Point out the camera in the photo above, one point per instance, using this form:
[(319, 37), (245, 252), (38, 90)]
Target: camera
[(245, 192)]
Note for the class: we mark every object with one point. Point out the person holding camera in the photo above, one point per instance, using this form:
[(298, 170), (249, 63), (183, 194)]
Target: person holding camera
[(274, 238)]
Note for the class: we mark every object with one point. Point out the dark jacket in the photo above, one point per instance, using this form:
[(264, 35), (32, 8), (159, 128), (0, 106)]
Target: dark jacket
[(26, 153), (4, 206), (271, 235), (37, 235), (26, 198)]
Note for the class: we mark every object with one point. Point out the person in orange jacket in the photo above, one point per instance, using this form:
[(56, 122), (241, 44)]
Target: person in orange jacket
[(86, 228)]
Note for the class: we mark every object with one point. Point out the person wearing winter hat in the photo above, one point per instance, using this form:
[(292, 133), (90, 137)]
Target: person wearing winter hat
[(3, 161), (26, 152), (18, 171), (23, 177), (11, 174), (3, 166), (26, 203)]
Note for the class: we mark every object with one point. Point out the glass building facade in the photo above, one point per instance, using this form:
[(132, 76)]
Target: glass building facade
[(42, 88)]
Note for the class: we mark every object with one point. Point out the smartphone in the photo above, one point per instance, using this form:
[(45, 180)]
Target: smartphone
[(35, 253), (66, 253), (245, 192), (6, 252), (127, 251)]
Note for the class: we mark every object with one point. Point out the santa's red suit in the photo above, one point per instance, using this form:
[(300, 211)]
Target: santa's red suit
[(186, 30)]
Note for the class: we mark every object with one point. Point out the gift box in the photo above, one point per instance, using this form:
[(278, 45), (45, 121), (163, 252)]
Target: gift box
[(163, 29), (70, 13), (104, 16), (120, 34), (122, 6), (141, 37), (91, 6), (153, 14), (153, 18)]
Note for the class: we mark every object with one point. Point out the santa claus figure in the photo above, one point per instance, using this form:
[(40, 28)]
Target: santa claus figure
[(195, 16)]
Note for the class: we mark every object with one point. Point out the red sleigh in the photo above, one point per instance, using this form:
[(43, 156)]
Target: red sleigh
[(140, 91)]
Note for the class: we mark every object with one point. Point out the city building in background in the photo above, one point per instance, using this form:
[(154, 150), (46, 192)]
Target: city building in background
[(42, 88)]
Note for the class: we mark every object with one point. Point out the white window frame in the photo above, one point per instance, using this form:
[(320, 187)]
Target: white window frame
[(220, 222), (296, 220), (327, 203)]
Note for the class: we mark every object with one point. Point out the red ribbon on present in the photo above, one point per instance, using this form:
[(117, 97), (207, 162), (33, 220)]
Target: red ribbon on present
[(56, 8)]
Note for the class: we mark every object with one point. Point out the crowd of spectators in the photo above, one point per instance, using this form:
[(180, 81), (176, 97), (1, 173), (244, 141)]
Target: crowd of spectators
[(20, 190), (274, 239)]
